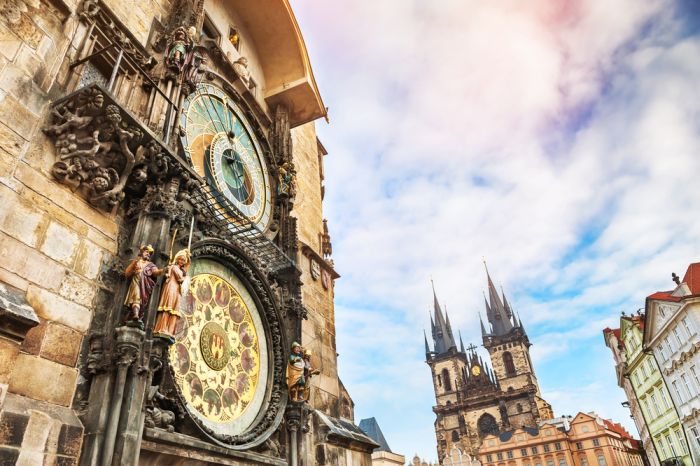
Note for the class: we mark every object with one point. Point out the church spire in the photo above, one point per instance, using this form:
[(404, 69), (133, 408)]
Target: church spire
[(442, 334), (497, 313), (461, 343)]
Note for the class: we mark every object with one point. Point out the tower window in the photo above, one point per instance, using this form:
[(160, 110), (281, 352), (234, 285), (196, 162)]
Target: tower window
[(446, 379), (455, 436), (439, 380), (487, 425), (508, 363), (520, 408)]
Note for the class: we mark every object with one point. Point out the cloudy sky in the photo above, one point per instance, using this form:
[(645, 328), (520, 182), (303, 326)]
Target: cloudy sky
[(558, 140)]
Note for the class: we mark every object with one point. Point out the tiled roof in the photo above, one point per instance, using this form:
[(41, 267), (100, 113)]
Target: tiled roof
[(692, 278), (664, 296)]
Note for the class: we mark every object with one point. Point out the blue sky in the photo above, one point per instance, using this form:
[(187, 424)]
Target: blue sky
[(559, 140)]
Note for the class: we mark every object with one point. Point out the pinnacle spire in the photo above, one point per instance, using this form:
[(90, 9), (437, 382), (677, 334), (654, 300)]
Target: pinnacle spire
[(483, 329), (461, 343), (427, 348)]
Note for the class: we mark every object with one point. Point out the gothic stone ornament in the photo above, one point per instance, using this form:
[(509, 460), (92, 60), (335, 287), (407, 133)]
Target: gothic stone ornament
[(240, 66), (315, 268), (103, 153), (227, 364)]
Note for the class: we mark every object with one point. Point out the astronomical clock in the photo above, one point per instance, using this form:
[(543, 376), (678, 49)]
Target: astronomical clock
[(220, 144), (221, 362)]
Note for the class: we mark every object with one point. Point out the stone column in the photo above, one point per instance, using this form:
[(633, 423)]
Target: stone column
[(129, 340)]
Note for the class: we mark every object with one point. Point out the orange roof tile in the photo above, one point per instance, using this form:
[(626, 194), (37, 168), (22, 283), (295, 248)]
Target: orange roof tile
[(692, 277)]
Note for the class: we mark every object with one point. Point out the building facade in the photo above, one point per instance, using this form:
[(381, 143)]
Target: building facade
[(616, 345), (473, 400), (671, 334), (651, 392), (586, 440), (162, 239)]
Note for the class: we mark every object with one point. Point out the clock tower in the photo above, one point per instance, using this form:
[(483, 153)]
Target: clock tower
[(476, 397)]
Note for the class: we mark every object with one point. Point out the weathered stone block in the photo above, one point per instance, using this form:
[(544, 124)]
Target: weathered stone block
[(61, 344), (12, 427), (60, 243), (27, 31), (16, 114), (38, 378), (9, 351), (19, 220), (35, 338), (63, 198), (13, 279), (77, 290), (27, 60), (89, 260), (51, 306), (9, 43), (11, 142), (29, 264)]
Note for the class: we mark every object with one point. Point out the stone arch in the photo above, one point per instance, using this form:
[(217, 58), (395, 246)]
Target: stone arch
[(487, 425)]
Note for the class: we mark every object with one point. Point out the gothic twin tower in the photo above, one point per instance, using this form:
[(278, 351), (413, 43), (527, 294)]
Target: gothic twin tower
[(473, 399)]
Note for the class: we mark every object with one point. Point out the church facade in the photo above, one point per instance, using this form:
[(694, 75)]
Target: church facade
[(166, 281), (474, 397)]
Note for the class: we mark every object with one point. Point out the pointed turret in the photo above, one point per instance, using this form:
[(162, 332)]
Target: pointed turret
[(506, 306), (484, 333), (461, 344), (427, 348)]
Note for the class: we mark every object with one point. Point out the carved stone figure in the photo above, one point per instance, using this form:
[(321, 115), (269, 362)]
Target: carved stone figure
[(295, 373), (287, 180), (156, 416), (240, 66), (169, 304), (179, 46), (141, 273)]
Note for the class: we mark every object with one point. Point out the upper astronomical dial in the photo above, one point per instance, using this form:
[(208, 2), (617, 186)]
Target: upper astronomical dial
[(221, 147)]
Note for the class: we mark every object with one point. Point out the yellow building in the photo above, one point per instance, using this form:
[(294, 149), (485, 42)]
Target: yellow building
[(162, 241), (586, 440)]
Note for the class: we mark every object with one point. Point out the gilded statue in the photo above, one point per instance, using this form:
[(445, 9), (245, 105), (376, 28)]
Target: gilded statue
[(141, 273), (169, 303)]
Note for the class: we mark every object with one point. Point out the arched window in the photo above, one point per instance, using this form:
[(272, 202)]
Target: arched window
[(439, 381), (487, 425), (520, 408), (446, 380), (455, 436), (508, 363)]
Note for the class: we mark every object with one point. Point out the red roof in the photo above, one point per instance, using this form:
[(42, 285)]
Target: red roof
[(692, 278), (615, 427), (664, 296)]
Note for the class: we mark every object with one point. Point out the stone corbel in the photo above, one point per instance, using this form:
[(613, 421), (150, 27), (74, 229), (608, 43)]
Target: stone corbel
[(104, 153)]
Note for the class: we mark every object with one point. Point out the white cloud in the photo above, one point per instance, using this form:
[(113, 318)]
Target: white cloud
[(557, 139)]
